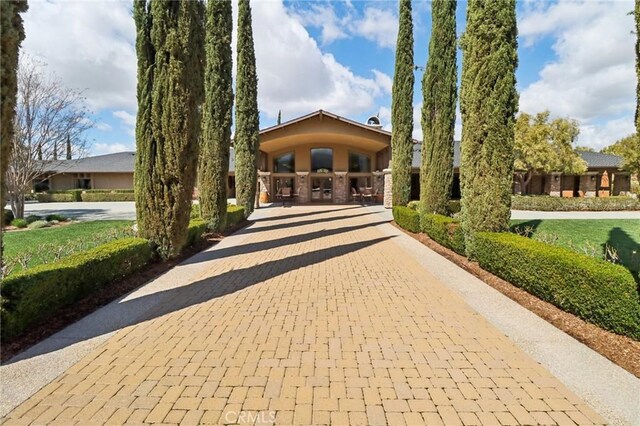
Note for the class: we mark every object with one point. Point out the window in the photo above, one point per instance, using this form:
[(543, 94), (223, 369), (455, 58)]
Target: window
[(321, 160), (83, 180), (359, 163), (285, 163), (280, 182)]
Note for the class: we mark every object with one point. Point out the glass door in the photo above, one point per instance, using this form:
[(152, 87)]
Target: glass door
[(322, 189)]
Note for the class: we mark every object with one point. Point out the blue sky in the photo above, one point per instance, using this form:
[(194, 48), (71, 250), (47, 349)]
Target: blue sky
[(576, 59)]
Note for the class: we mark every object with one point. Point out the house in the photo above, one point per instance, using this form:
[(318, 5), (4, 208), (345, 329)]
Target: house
[(324, 158)]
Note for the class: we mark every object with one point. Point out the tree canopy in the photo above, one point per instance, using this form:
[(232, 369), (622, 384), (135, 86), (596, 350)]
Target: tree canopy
[(544, 145), (629, 149)]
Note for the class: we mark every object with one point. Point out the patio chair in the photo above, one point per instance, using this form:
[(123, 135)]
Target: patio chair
[(286, 195), (355, 195), (296, 195), (367, 195)]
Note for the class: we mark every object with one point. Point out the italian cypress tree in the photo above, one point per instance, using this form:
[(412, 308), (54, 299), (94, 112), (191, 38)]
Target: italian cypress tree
[(213, 166), (488, 101), (170, 49), (279, 116), (402, 109), (11, 36), (246, 142), (637, 17), (439, 110), (69, 155)]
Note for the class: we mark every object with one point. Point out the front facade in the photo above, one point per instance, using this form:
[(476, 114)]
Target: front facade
[(324, 158)]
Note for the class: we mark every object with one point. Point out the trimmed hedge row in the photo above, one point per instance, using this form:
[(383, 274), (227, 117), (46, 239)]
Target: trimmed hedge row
[(407, 218), (454, 206), (197, 228), (444, 230), (235, 215), (95, 195), (596, 291), (55, 197), (108, 196), (547, 203), (35, 294)]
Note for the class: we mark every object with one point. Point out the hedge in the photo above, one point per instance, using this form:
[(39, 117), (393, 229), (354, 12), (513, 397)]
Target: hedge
[(35, 294), (235, 215), (593, 289), (547, 203), (454, 206), (407, 218), (444, 230), (55, 197), (197, 228), (107, 196)]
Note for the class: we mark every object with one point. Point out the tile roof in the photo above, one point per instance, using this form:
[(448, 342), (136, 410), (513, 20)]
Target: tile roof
[(119, 162)]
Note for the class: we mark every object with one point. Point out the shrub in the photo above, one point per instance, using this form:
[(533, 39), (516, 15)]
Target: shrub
[(454, 206), (56, 216), (197, 228), (55, 197), (19, 223), (107, 196), (32, 218), (597, 291), (35, 294), (407, 218), (235, 215), (38, 224), (444, 230), (195, 211), (76, 194), (8, 217), (547, 203), (414, 205)]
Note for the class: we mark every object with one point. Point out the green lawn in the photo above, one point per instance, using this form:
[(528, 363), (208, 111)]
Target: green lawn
[(33, 247), (590, 236)]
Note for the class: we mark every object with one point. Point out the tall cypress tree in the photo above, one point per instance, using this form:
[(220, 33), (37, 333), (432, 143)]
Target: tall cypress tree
[(637, 17), (402, 109), (69, 154), (279, 116), (488, 102), (213, 166), (246, 142), (11, 36), (170, 50), (439, 110)]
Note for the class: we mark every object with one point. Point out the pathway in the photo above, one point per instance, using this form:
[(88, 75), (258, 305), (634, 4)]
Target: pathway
[(313, 315)]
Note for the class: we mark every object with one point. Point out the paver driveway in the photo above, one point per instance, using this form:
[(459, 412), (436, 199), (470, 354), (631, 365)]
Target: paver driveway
[(317, 317)]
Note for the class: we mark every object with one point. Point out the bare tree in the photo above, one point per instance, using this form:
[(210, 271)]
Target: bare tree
[(49, 118)]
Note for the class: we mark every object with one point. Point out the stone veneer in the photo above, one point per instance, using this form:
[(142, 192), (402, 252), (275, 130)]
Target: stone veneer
[(341, 188), (588, 184), (378, 182), (264, 178), (302, 187), (388, 195), (555, 186)]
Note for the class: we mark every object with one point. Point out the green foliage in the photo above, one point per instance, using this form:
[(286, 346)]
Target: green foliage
[(629, 149), (414, 205), (439, 110), (235, 215), (637, 18), (32, 218), (8, 217), (76, 194), (597, 291), (213, 166), (547, 203), (488, 102), (543, 146), (37, 224), (407, 218), (56, 216), (54, 197), (33, 295), (454, 206), (19, 223), (402, 109), (197, 228), (170, 51), (107, 196), (247, 125), (444, 230), (195, 212)]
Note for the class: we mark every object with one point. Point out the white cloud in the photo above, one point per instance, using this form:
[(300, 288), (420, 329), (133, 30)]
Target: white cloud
[(104, 148), (89, 45), (384, 81), (127, 119), (102, 126), (324, 17), (592, 78), (378, 25)]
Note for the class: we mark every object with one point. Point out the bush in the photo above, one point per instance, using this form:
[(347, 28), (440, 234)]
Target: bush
[(19, 223), (38, 224), (197, 228), (547, 203), (76, 194), (235, 215), (454, 206), (8, 217), (414, 205), (444, 230), (55, 197), (32, 218), (407, 218), (35, 294), (109, 196), (595, 290), (195, 211), (56, 216)]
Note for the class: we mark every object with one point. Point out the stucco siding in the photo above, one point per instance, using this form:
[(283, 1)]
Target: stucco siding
[(112, 181)]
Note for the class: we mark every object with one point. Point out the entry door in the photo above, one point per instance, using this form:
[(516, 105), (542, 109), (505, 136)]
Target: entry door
[(321, 189)]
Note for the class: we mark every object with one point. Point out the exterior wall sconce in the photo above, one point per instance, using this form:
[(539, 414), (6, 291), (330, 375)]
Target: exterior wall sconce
[(340, 178), (301, 179), (593, 178)]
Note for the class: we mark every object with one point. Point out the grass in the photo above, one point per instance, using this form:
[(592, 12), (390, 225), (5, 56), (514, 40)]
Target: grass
[(590, 236), (33, 247)]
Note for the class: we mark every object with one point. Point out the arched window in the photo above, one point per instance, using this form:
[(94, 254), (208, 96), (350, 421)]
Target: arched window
[(321, 160), (285, 163), (359, 163)]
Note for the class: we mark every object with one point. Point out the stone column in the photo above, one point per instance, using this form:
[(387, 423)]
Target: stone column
[(302, 187), (340, 188), (378, 182), (264, 179), (621, 183), (388, 191), (588, 184), (555, 185)]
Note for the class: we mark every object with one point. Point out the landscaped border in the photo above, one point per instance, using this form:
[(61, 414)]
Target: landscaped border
[(559, 204), (622, 350)]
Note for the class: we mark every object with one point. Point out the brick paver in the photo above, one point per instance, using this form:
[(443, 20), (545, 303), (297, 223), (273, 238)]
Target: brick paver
[(316, 318)]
